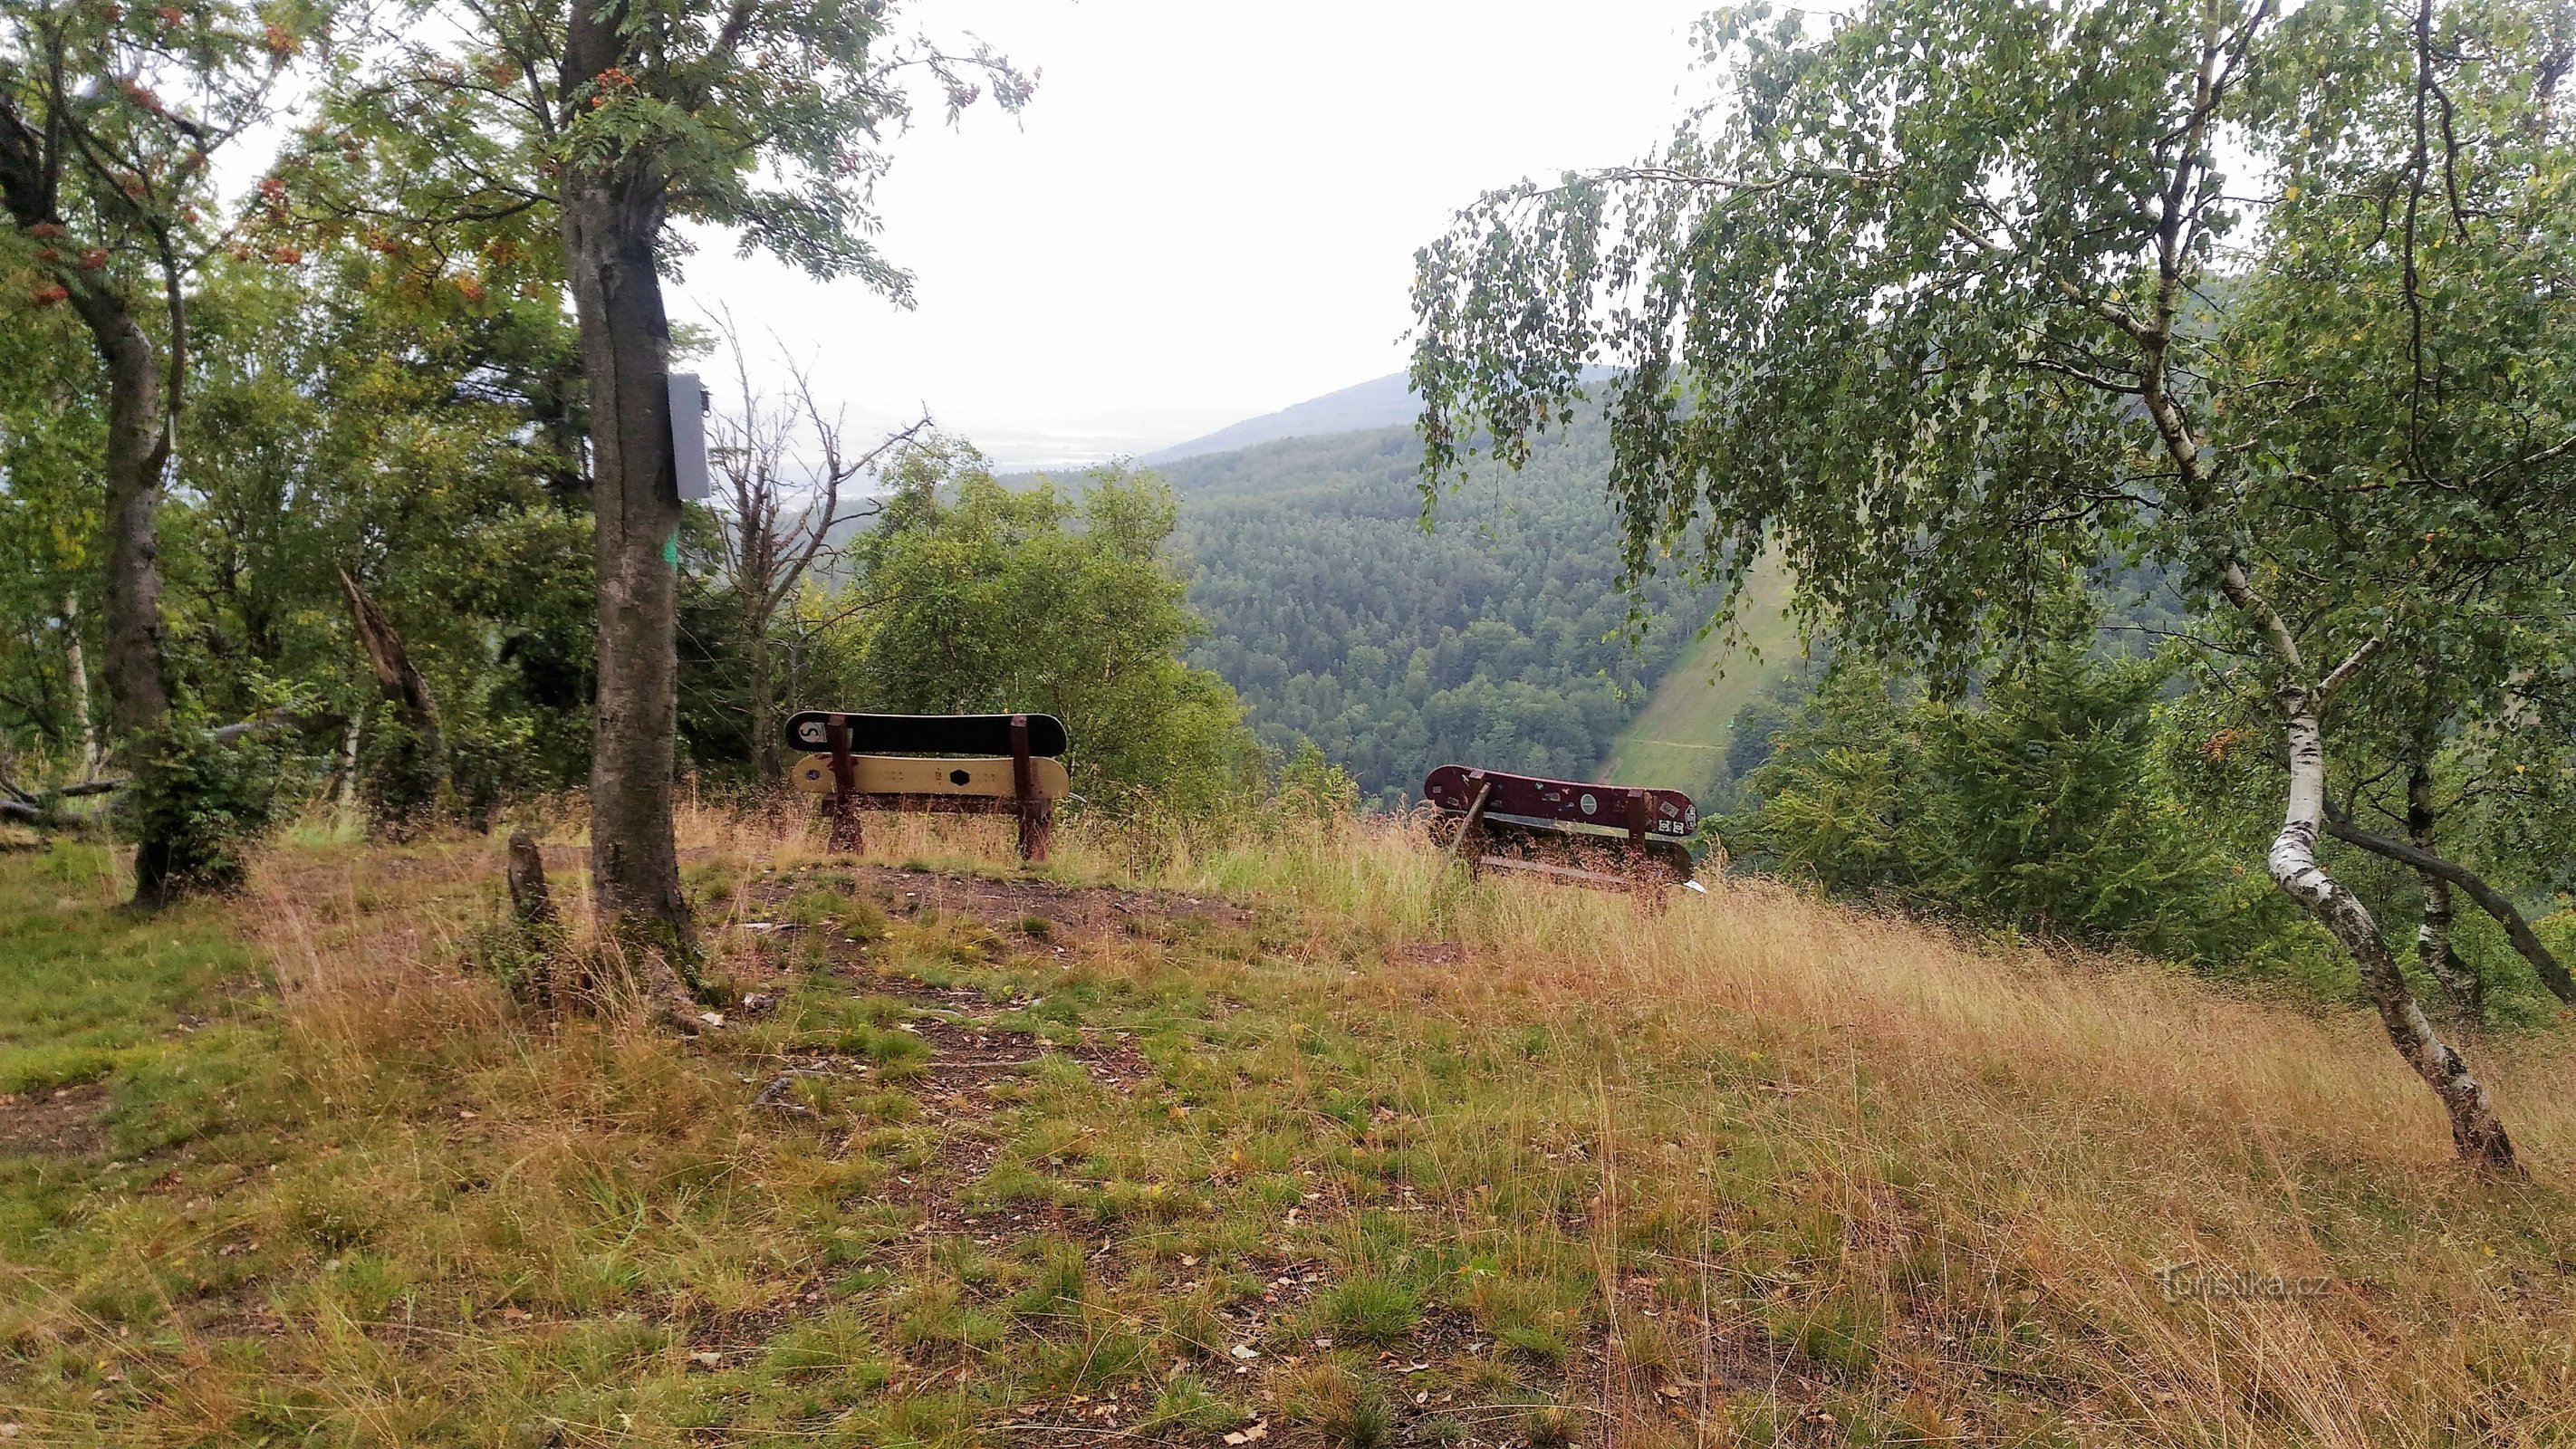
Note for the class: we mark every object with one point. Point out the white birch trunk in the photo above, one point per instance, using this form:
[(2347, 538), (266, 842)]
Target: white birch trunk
[(349, 768), (2475, 1129), (76, 662)]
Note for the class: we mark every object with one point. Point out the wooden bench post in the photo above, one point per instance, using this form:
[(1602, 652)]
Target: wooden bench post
[(1036, 816), (845, 835), (1637, 811), (1471, 825)]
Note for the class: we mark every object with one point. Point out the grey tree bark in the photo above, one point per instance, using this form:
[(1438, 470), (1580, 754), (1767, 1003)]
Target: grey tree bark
[(138, 450), (612, 217)]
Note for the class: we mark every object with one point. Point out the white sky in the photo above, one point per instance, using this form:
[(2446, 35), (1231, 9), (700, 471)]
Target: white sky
[(1209, 211)]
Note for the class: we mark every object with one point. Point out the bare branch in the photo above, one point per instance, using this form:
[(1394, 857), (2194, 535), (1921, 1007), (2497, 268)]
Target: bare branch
[(2547, 966)]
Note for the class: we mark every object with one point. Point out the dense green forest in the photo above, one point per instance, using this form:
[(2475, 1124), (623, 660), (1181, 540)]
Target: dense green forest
[(1497, 637)]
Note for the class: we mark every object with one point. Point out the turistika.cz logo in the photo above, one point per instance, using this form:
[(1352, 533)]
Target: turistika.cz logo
[(2182, 1282)]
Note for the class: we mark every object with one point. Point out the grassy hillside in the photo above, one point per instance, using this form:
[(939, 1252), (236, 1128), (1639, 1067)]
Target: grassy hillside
[(1679, 740), (1294, 1140)]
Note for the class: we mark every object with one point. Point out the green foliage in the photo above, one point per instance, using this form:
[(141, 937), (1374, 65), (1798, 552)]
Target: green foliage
[(365, 413), (1313, 785), (1498, 637), (2043, 806), (762, 118), (1946, 399), (203, 803), (129, 106), (983, 598), (1950, 306), (51, 440)]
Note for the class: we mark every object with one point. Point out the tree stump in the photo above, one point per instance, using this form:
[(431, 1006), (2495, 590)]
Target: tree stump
[(529, 899), (534, 908)]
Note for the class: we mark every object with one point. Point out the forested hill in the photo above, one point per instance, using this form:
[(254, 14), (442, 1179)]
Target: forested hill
[(1493, 638)]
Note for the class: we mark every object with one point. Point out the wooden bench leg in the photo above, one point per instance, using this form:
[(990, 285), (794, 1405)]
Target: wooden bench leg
[(1037, 817), (1639, 862), (1469, 829), (845, 837)]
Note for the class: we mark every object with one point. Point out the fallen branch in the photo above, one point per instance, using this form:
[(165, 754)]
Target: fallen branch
[(774, 1096), (276, 719), (38, 811)]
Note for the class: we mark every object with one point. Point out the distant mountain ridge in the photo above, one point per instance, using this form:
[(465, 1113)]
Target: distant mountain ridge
[(1381, 402)]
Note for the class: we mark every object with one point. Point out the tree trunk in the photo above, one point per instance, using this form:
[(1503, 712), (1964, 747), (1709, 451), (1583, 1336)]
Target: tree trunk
[(76, 664), (765, 748), (138, 448), (420, 781), (534, 908), (530, 901), (349, 764), (2517, 929), (2433, 951), (2475, 1129), (612, 218)]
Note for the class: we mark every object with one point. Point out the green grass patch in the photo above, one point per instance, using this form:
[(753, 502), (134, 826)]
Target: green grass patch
[(1369, 1309)]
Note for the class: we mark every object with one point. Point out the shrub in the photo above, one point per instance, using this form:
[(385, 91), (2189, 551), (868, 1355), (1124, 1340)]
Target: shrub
[(199, 804)]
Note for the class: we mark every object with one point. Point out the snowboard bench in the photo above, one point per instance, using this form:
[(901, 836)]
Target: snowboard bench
[(954, 764), (1589, 834)]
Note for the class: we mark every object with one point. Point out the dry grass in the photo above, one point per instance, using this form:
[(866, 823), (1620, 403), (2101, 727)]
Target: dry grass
[(1743, 1168), (2051, 1130)]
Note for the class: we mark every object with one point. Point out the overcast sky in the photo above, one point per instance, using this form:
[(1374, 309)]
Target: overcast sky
[(1209, 211)]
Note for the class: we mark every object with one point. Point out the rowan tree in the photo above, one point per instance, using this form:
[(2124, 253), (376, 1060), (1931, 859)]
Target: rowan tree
[(111, 118), (766, 118)]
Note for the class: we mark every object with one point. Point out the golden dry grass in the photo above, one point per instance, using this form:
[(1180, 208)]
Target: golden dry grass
[(1743, 1168), (2073, 1124), (2063, 1127)]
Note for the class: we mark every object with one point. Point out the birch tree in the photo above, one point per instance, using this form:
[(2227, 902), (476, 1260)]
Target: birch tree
[(1950, 303)]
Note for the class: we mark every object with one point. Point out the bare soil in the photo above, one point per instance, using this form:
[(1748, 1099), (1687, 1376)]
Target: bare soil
[(63, 1122)]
